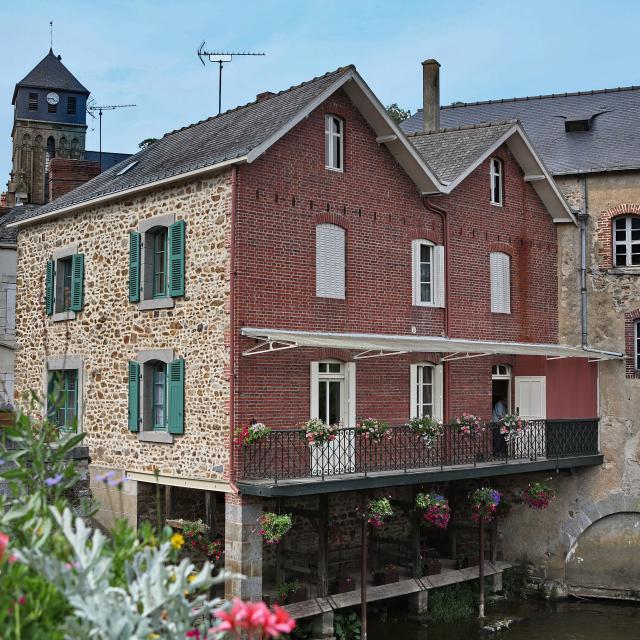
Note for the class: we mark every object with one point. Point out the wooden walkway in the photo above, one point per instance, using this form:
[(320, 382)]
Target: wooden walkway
[(404, 587)]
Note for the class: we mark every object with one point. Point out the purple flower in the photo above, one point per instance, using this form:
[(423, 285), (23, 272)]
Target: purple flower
[(51, 482), (495, 496), (107, 476), (117, 482)]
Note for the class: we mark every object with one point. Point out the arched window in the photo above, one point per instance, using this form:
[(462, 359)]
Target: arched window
[(626, 241), (334, 142), (75, 149), (63, 148), (330, 261)]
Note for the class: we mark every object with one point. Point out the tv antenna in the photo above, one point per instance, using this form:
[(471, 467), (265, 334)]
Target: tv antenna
[(91, 107), (221, 57)]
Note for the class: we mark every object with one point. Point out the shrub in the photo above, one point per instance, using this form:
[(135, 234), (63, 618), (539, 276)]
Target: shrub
[(453, 602)]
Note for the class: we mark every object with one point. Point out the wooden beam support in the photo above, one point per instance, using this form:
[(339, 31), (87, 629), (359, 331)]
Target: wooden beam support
[(323, 546), (210, 505), (168, 503)]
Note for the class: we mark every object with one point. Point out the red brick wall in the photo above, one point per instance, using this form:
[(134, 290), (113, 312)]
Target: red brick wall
[(630, 320), (66, 175), (281, 198)]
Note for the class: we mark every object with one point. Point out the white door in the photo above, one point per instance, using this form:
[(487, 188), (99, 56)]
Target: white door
[(531, 404), (333, 387)]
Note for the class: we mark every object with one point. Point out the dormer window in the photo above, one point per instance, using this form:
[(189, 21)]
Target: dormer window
[(495, 171), (334, 142), (572, 126)]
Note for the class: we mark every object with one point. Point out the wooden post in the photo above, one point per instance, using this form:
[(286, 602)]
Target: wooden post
[(364, 569), (280, 572), (417, 556), (210, 511), (494, 540), (168, 503), (481, 570), (323, 545)]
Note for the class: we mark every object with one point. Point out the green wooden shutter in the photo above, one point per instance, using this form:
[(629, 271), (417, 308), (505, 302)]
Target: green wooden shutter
[(134, 395), (77, 282), (175, 373), (176, 258), (49, 295), (134, 266)]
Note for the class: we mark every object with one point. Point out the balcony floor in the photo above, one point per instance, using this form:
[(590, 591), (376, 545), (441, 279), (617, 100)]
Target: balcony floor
[(356, 481)]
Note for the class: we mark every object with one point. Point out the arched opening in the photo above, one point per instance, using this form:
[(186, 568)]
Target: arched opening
[(48, 157), (75, 149), (604, 561)]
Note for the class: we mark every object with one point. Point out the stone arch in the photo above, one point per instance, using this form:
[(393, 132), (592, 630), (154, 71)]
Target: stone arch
[(604, 230)]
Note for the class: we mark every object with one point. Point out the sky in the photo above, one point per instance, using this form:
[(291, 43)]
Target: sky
[(144, 52)]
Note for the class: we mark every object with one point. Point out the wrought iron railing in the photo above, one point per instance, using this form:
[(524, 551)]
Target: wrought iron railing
[(285, 453)]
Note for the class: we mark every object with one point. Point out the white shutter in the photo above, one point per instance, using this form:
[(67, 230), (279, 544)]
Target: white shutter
[(350, 382), (438, 276), (330, 261), (314, 409), (438, 390), (500, 272), (413, 392)]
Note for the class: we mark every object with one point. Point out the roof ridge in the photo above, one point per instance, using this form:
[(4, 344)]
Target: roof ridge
[(249, 104), (464, 127), (591, 92)]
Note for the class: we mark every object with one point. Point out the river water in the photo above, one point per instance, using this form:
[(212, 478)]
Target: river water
[(565, 620)]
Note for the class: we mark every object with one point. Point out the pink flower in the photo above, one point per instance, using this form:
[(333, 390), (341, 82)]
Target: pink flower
[(12, 558), (4, 543), (22, 601), (194, 633), (235, 619), (278, 622)]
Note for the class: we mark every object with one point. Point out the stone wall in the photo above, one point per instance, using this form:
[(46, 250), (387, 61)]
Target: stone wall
[(110, 330), (545, 537)]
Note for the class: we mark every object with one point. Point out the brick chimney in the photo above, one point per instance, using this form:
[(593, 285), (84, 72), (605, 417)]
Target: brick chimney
[(430, 95), (66, 175), (265, 95)]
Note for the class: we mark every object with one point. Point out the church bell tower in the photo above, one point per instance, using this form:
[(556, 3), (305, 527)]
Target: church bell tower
[(50, 120)]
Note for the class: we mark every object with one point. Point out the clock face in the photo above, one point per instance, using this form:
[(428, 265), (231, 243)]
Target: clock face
[(53, 98)]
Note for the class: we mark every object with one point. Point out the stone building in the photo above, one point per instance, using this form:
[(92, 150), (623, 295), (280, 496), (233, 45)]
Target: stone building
[(300, 257), (589, 142)]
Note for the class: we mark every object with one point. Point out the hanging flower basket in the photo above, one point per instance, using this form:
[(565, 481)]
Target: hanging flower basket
[(318, 432), (435, 509), (429, 429), (274, 525), (378, 510), (251, 434), (469, 424), (511, 426), (372, 429), (538, 495), (484, 503)]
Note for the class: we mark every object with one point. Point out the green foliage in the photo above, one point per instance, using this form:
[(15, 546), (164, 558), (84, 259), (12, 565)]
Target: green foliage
[(147, 142), (515, 581), (284, 589), (453, 602), (274, 525), (347, 626), (398, 114)]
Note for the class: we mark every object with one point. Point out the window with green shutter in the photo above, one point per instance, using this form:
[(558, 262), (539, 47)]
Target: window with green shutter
[(134, 396), (134, 266), (64, 285), (49, 286), (62, 399), (77, 282), (175, 375), (176, 258), (159, 263)]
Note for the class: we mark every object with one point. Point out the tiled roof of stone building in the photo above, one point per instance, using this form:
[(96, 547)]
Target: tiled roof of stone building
[(227, 136), (50, 73), (611, 143), (449, 152), (9, 235)]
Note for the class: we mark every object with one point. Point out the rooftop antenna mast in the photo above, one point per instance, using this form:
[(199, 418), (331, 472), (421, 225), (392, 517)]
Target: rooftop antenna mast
[(221, 57), (51, 35), (92, 106)]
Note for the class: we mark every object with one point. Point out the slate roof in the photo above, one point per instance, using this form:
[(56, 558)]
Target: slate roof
[(10, 235), (448, 152), (227, 136), (50, 73), (109, 158), (613, 143)]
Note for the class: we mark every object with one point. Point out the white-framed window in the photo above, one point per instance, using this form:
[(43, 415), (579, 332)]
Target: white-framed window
[(330, 261), (636, 342), (428, 274), (334, 142), (626, 242), (63, 392), (500, 391), (495, 172), (426, 391), (333, 392), (500, 274)]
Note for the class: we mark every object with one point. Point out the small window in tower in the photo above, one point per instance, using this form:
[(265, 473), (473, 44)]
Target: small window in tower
[(33, 102), (52, 108), (71, 105)]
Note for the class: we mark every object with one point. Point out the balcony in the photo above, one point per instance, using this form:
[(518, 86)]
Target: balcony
[(283, 463)]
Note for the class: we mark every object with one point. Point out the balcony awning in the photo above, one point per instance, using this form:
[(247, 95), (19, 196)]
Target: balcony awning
[(376, 345)]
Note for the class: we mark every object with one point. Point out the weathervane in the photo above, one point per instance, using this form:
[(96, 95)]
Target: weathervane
[(92, 106), (221, 57)]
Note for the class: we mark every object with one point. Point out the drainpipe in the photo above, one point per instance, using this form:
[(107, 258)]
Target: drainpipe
[(445, 240), (232, 328), (583, 217)]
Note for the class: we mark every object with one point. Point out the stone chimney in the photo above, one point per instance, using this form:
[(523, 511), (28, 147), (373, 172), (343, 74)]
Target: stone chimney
[(265, 95), (65, 175), (430, 95)]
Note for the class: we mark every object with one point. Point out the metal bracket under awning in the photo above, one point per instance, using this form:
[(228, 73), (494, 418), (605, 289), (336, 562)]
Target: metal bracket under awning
[(376, 353), (267, 346)]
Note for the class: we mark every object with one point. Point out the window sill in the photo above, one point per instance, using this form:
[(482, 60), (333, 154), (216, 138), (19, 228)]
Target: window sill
[(624, 271), (156, 303), (330, 299), (157, 437), (63, 315), (334, 170), (496, 204), (501, 313), (428, 305)]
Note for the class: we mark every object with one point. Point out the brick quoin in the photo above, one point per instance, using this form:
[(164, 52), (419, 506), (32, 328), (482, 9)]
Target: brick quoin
[(630, 320), (286, 193)]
